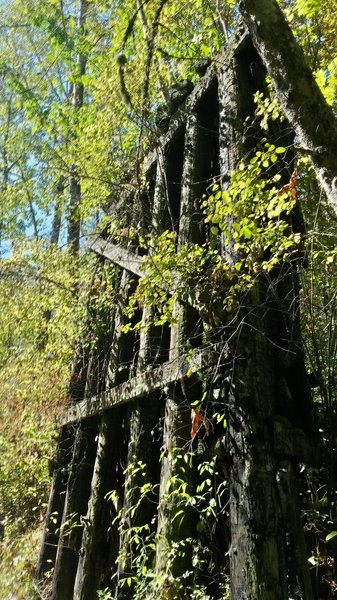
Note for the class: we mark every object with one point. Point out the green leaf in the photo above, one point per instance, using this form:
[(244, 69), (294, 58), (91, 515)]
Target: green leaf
[(330, 536), (85, 80), (246, 232)]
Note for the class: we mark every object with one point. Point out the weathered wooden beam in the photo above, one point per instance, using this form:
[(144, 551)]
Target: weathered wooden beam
[(95, 542), (75, 507), (99, 517), (177, 419), (117, 254), (141, 386), (239, 39)]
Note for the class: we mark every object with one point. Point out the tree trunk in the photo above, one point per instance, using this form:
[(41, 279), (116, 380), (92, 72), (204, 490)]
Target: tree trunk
[(74, 218), (300, 97)]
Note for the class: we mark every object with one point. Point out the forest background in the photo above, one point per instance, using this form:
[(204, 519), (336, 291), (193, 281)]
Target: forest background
[(80, 85)]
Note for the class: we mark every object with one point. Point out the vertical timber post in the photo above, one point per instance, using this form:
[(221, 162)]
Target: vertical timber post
[(97, 522), (257, 554), (173, 531), (142, 471), (75, 508)]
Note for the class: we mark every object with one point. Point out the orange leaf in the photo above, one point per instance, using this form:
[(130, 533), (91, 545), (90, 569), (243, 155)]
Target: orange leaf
[(197, 421), (291, 186)]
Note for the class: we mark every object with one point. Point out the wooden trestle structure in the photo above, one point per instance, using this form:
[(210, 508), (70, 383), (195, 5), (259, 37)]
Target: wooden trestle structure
[(131, 394)]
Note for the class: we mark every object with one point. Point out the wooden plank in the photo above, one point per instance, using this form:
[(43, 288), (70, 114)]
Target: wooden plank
[(142, 385), (117, 254)]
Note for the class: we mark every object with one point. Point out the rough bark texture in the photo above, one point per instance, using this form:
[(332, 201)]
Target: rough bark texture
[(259, 526), (299, 95)]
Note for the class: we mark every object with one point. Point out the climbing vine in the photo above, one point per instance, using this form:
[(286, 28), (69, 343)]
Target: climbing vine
[(139, 542)]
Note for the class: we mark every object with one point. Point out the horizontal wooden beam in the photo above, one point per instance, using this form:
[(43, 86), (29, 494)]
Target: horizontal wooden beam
[(144, 384), (117, 254)]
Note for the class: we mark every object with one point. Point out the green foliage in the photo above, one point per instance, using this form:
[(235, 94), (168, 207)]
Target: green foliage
[(45, 314), (330, 536), (167, 273), (18, 563), (267, 108), (139, 542), (24, 470), (314, 23), (252, 218)]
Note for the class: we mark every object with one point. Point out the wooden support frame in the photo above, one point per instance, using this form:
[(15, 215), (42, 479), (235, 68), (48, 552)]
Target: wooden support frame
[(137, 381), (141, 386)]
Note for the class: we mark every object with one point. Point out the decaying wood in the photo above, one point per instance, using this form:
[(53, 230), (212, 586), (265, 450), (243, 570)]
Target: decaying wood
[(178, 120), (98, 519), (143, 460), (75, 508), (140, 386), (258, 523), (118, 254), (132, 263), (142, 408), (256, 560), (172, 530), (98, 529)]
